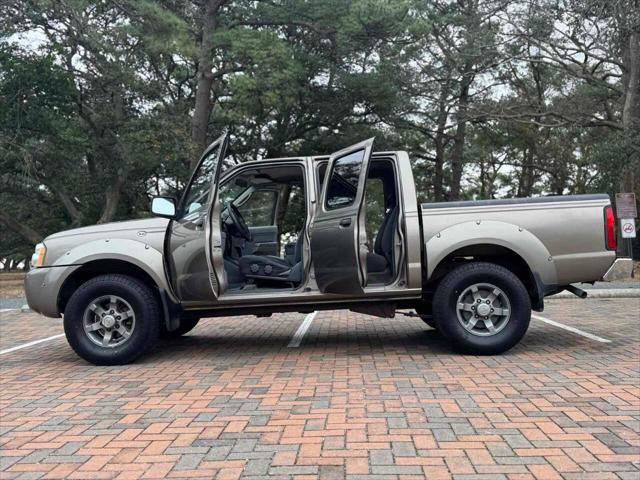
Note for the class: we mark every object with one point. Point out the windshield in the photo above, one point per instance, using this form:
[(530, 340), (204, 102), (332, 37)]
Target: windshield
[(229, 192)]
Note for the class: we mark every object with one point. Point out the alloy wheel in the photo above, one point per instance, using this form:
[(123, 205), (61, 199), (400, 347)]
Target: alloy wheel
[(109, 321), (483, 309)]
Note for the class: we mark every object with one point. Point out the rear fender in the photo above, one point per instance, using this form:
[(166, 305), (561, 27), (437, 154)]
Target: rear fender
[(492, 232)]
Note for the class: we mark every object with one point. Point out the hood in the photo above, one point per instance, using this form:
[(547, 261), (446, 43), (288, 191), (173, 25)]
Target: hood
[(149, 225)]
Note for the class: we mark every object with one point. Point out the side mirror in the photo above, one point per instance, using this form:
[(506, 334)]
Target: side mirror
[(163, 207)]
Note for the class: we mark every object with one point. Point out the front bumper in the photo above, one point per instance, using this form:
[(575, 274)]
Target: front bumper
[(42, 286), (620, 270)]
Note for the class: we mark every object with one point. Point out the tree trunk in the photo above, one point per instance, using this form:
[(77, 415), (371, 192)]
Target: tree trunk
[(483, 180), (525, 182), (438, 171), (24, 231), (111, 141), (457, 152), (473, 23), (631, 110), (112, 198), (203, 106), (440, 141), (76, 215)]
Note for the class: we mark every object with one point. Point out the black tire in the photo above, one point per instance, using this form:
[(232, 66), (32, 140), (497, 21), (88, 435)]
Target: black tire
[(445, 303), (144, 304), (186, 325)]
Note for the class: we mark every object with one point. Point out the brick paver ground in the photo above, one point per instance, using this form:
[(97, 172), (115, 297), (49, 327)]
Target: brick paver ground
[(361, 397), (16, 329)]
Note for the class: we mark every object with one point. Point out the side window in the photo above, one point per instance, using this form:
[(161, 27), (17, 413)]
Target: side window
[(259, 209), (196, 198), (343, 183)]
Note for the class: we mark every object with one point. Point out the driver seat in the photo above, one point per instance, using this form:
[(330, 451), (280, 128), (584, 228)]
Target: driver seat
[(270, 267)]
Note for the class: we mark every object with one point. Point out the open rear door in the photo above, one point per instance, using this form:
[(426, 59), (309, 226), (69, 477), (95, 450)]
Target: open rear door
[(338, 236)]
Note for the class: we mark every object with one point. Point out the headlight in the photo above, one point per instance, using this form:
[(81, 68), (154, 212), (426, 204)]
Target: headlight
[(37, 259)]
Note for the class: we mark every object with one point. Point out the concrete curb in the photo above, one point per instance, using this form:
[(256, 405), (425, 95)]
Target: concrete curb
[(600, 293)]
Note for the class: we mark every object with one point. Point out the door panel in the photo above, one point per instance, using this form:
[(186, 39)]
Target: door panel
[(338, 239), (189, 241)]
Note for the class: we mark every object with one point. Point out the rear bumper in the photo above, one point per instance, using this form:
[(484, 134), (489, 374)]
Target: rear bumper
[(620, 270), (42, 286)]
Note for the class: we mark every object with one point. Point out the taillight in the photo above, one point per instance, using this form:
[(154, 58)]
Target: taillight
[(610, 228)]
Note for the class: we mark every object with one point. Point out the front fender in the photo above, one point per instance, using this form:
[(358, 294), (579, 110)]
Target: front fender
[(137, 253), (492, 232)]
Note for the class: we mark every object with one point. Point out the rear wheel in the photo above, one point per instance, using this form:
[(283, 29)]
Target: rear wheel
[(112, 319), (482, 308)]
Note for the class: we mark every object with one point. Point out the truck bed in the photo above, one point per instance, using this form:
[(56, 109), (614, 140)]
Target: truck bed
[(570, 229)]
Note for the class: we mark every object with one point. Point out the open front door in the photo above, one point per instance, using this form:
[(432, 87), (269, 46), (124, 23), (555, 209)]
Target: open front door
[(198, 276), (338, 236)]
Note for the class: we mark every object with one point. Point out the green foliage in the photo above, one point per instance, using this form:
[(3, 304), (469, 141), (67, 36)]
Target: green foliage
[(97, 98)]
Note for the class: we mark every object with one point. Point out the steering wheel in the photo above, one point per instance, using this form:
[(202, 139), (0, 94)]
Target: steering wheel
[(242, 230)]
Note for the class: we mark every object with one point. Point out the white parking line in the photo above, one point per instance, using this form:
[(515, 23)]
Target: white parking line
[(302, 329), (30, 344), (571, 329), (2, 310)]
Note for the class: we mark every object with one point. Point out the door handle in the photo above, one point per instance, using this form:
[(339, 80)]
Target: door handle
[(198, 222), (345, 222)]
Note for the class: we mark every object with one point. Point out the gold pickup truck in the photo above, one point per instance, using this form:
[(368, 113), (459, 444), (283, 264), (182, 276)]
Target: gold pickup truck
[(282, 234)]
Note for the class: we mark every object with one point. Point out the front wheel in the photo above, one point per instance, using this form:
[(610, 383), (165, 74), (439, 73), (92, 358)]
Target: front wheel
[(482, 308), (112, 319)]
